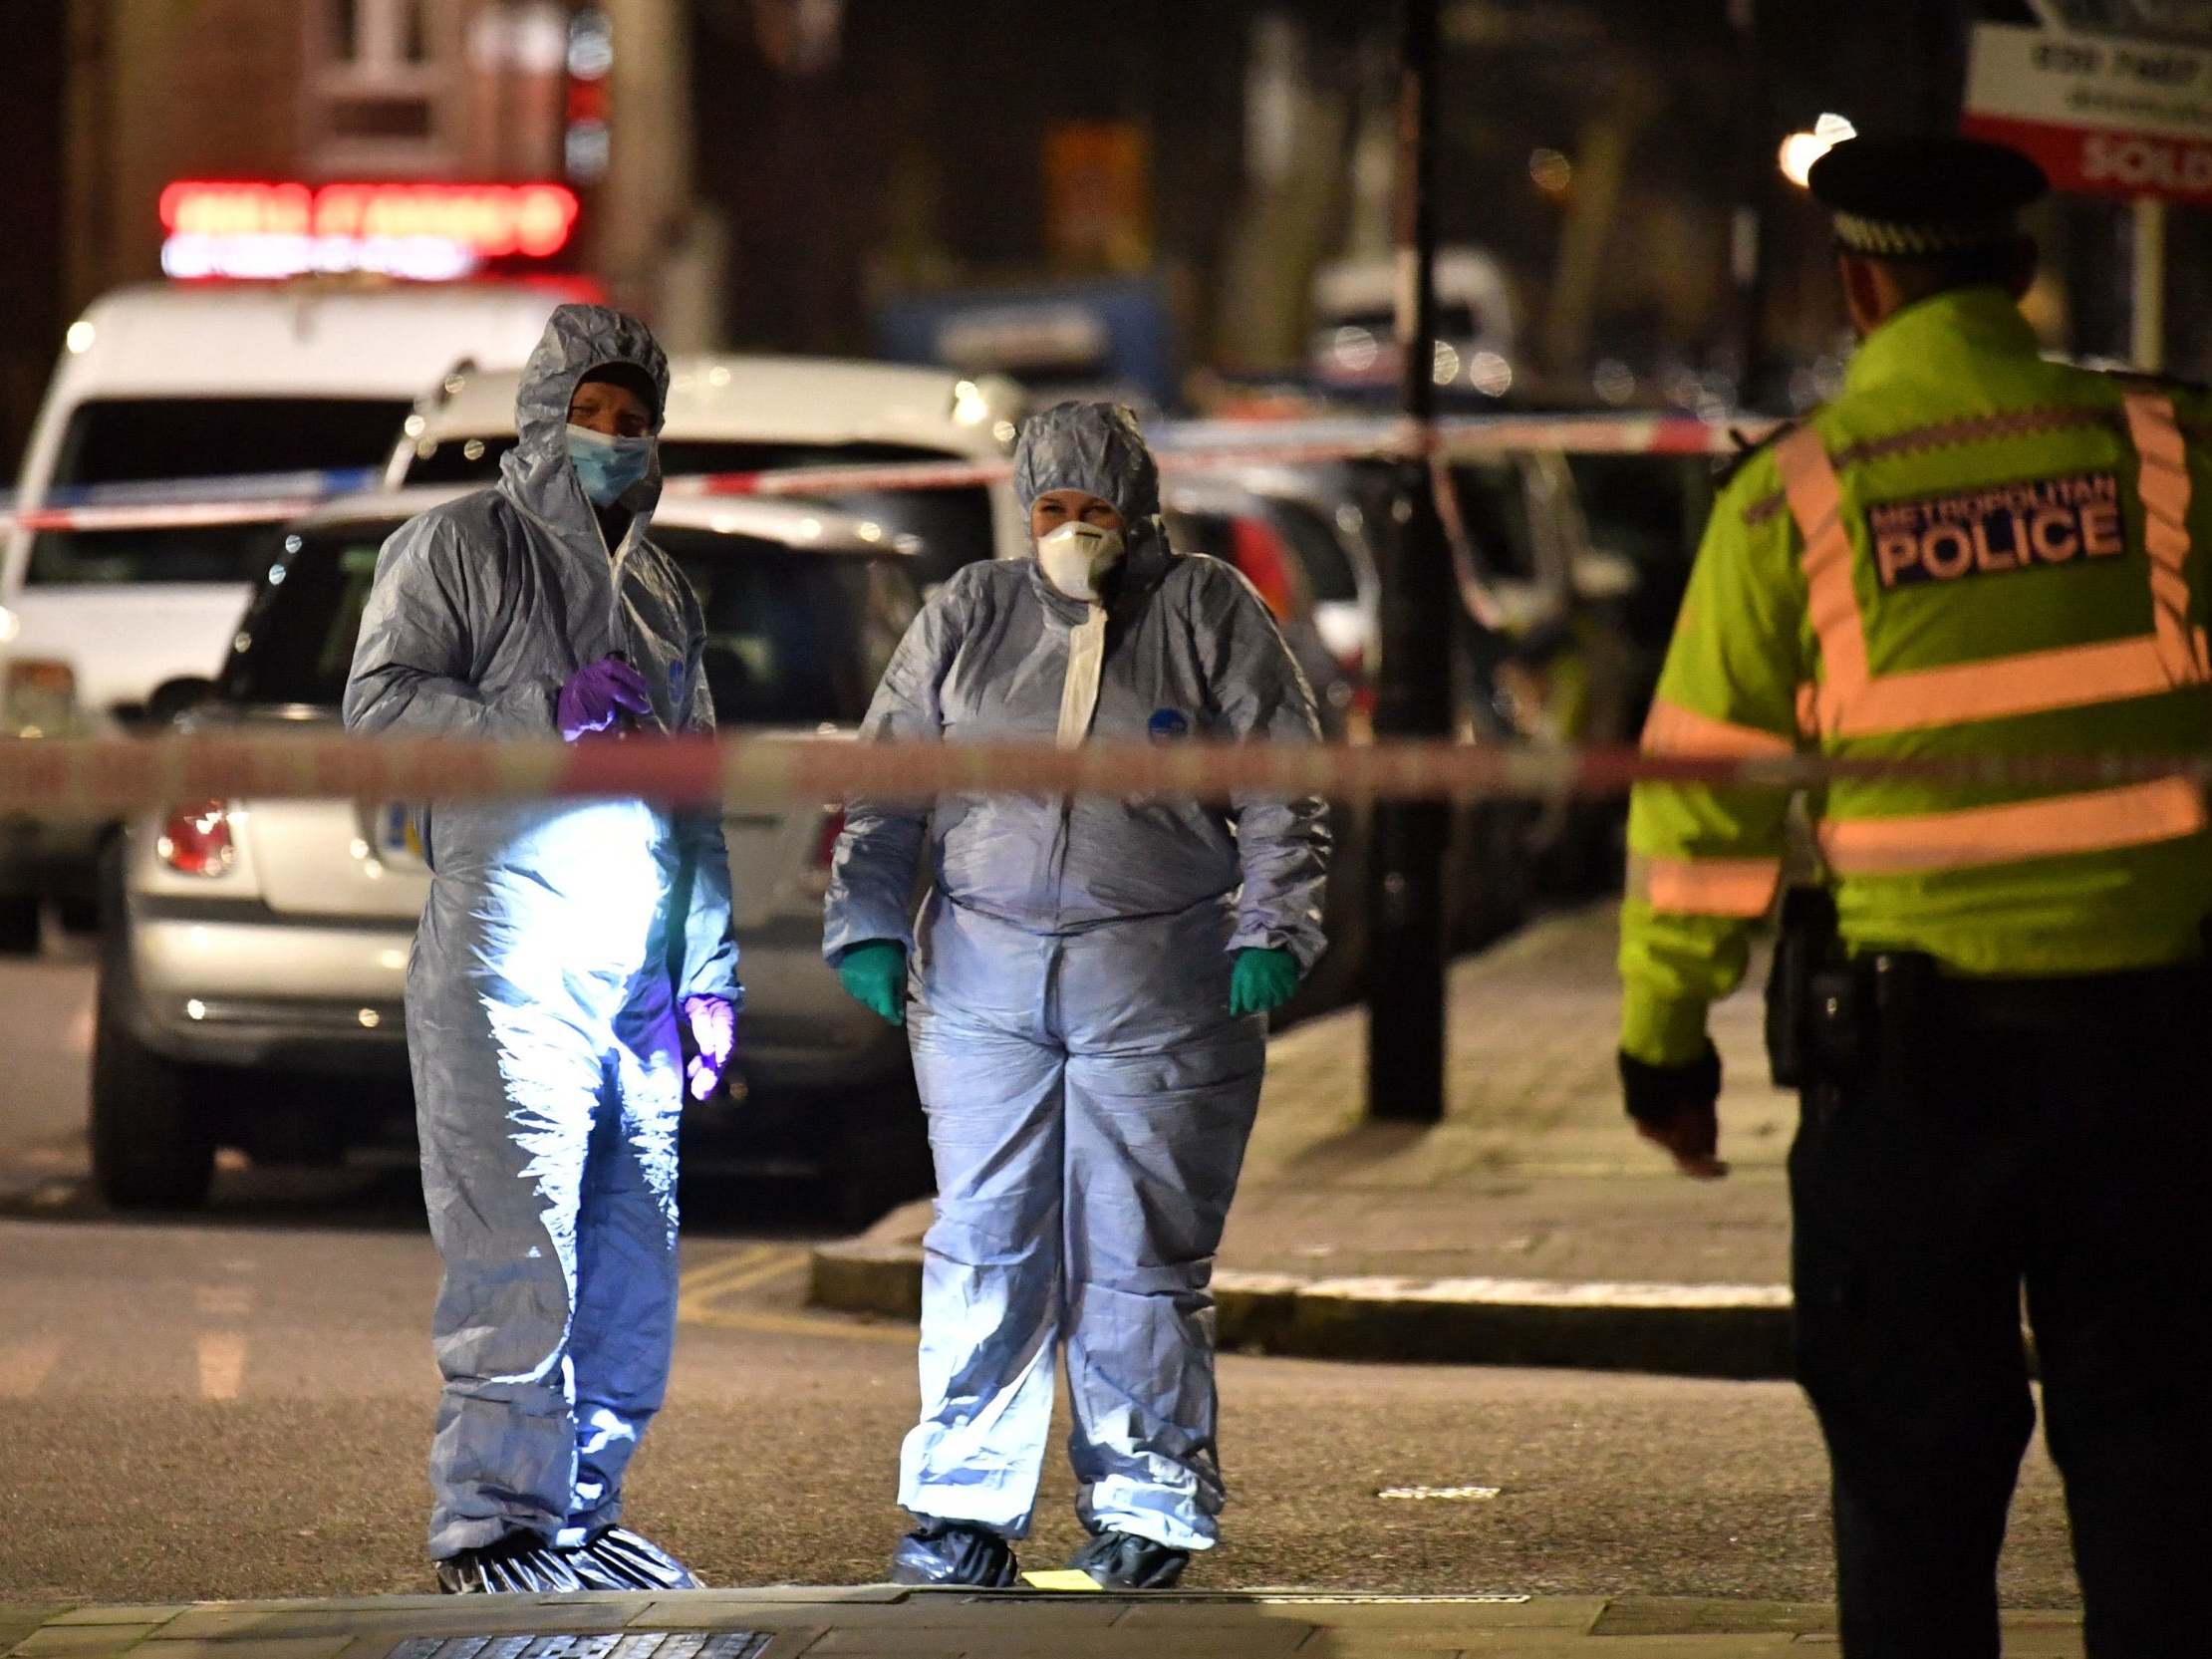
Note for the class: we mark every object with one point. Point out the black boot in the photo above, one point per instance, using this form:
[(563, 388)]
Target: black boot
[(615, 1559), (520, 1562), (955, 1552), (1124, 1561)]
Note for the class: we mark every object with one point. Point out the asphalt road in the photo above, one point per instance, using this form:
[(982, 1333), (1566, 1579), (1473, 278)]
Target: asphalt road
[(237, 1405)]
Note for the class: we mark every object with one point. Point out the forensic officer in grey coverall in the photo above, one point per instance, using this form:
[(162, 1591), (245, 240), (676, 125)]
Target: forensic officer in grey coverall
[(555, 988), (1089, 985)]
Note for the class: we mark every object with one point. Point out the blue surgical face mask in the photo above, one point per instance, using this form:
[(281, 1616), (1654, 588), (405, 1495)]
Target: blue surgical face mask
[(605, 466)]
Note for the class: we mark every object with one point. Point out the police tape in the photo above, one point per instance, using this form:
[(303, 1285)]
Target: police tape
[(72, 777), (1184, 448)]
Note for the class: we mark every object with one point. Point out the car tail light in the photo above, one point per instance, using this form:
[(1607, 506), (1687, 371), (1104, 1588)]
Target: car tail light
[(195, 840), (41, 698), (825, 846), (816, 878), (1257, 551)]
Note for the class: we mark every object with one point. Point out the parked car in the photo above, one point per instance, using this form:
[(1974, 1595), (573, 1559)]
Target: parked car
[(1353, 347), (1227, 522), (742, 414), (252, 966), (1316, 511), (193, 381), (1544, 617)]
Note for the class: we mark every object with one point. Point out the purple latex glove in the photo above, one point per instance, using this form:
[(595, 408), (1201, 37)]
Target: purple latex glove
[(712, 1024), (601, 695)]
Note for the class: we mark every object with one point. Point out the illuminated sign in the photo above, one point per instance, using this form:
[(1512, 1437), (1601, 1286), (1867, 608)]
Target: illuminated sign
[(430, 232)]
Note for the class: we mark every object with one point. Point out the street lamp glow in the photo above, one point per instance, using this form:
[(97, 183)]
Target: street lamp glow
[(1800, 149)]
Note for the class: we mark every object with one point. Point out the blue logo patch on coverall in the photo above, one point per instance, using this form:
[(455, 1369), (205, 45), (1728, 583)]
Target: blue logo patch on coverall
[(1981, 532), (1166, 724)]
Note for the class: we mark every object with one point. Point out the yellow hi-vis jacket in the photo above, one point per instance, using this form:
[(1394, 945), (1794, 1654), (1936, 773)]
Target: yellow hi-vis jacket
[(1971, 552)]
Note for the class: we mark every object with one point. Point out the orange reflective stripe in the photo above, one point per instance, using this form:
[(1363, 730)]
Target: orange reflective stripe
[(2134, 816), (1849, 701), (1816, 503), (1739, 887), (2163, 483), (1674, 729), (2031, 683)]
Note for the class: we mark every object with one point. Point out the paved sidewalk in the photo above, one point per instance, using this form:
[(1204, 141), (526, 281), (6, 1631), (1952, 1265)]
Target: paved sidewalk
[(1530, 1226), (863, 1620)]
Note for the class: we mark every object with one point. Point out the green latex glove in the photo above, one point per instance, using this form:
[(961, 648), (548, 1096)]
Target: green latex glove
[(875, 976), (1261, 980)]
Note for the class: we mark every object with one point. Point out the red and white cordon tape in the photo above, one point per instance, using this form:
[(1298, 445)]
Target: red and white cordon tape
[(62, 777), (1191, 447)]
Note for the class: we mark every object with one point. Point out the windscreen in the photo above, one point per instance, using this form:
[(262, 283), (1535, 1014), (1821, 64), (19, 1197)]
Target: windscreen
[(793, 639), (949, 527), (139, 439)]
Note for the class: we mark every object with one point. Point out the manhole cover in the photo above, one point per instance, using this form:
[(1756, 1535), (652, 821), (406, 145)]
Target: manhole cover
[(617, 1644)]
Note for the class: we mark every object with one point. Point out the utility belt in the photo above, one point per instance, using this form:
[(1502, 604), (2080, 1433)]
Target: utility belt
[(1834, 1017)]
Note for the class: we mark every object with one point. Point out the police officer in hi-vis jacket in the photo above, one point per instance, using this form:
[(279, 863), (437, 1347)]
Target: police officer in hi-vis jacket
[(1996, 1003)]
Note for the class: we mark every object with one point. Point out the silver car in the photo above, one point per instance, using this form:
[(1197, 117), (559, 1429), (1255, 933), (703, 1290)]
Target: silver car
[(254, 953)]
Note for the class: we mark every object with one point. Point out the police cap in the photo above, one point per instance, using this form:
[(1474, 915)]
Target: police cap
[(1924, 197)]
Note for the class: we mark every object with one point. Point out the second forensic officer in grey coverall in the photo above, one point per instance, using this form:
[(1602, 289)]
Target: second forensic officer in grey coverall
[(1088, 983)]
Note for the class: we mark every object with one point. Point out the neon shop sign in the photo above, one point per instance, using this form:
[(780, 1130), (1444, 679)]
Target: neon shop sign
[(427, 232)]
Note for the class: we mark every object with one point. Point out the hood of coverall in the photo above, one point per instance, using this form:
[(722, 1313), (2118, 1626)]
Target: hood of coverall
[(537, 473), (1096, 448)]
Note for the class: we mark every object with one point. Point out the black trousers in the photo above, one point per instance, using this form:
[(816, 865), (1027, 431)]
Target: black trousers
[(2057, 1137)]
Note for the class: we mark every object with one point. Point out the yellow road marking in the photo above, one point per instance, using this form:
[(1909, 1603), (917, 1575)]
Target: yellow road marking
[(767, 1323), (701, 1295), (704, 1281), (24, 1365), (222, 1365)]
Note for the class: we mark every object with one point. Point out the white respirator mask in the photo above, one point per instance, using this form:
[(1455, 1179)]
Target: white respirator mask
[(1076, 557)]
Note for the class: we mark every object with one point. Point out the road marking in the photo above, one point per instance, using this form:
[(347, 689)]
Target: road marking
[(704, 1281), (777, 1264), (225, 1302), (222, 1365), (24, 1365), (1445, 1494), (766, 1323)]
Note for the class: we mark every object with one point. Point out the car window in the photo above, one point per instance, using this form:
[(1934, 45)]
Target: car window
[(794, 638), (949, 527), (1314, 538), (131, 441), (1455, 320), (1486, 503)]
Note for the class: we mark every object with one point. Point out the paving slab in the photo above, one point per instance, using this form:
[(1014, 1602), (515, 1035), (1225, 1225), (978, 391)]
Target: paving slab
[(54, 1640)]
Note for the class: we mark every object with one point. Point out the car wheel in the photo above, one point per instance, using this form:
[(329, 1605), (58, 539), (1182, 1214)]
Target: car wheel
[(19, 927), (153, 1145)]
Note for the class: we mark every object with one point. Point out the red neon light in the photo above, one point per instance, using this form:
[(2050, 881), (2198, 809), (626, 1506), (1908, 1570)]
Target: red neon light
[(494, 221)]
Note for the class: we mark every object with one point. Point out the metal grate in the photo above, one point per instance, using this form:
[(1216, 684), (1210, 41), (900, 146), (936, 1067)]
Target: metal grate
[(614, 1644)]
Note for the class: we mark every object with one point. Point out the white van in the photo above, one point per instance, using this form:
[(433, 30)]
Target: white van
[(742, 414), (1354, 343), (192, 382)]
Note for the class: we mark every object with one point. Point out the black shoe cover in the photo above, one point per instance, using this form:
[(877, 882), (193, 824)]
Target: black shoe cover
[(615, 1559), (955, 1552), (520, 1562), (1124, 1561)]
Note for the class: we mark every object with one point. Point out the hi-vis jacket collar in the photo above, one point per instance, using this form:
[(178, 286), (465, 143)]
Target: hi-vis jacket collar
[(1950, 332)]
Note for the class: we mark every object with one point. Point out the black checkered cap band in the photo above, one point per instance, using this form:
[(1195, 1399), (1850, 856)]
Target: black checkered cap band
[(1895, 239)]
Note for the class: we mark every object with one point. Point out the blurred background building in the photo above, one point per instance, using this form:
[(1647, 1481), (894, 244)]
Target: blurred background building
[(1187, 203)]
